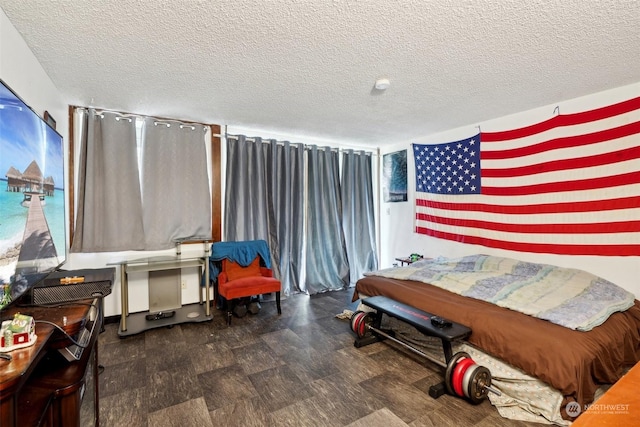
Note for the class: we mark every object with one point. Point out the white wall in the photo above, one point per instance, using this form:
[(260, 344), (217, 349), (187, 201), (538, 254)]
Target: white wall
[(20, 69), (397, 219)]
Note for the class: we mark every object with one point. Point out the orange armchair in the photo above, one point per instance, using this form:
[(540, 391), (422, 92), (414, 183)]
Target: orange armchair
[(236, 281)]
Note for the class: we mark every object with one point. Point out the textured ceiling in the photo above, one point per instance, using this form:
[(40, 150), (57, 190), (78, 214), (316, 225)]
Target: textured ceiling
[(307, 68)]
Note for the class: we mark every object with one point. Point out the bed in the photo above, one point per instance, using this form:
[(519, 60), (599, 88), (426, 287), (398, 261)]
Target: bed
[(489, 294)]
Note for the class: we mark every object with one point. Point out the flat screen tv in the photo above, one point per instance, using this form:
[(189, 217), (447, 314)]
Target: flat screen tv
[(32, 198)]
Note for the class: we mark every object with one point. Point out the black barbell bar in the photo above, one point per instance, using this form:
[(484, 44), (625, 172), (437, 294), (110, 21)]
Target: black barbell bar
[(473, 386)]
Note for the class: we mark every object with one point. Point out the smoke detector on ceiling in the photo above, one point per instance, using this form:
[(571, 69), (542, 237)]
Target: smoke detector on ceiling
[(382, 84)]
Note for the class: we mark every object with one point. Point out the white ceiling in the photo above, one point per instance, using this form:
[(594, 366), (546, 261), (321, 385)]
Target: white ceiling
[(308, 67)]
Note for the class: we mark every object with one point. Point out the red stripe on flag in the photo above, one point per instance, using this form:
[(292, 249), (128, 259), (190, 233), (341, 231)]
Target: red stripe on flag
[(557, 143), (575, 228), (545, 248), (543, 208), (564, 120), (556, 187), (566, 164)]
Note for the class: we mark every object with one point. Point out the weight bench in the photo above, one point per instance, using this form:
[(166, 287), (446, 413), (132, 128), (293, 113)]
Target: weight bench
[(463, 377)]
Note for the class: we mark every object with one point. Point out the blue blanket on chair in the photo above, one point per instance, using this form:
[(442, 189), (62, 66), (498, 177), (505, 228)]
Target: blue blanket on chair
[(241, 252)]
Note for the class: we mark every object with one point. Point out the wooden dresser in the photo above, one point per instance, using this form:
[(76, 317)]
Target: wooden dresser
[(39, 387)]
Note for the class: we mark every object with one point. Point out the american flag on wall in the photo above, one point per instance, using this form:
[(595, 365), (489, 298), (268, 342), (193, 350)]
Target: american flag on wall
[(569, 185)]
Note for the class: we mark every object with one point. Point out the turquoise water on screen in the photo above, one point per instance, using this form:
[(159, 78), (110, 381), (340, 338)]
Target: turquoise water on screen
[(13, 219)]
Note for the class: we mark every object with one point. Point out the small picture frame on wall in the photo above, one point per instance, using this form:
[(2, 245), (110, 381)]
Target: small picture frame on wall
[(49, 119), (394, 176)]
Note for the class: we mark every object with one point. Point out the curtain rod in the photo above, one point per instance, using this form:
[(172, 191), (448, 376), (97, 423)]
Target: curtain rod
[(163, 120), (305, 146), (158, 120)]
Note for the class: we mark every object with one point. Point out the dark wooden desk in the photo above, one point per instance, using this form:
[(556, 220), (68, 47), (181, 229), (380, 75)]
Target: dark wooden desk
[(38, 387)]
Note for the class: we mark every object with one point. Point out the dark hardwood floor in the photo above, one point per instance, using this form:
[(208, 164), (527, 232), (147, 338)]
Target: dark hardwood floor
[(297, 369)]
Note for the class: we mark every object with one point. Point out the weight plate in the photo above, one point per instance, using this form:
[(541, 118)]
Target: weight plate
[(359, 320), (466, 378), (458, 373), (353, 319), (362, 326), (480, 377), (452, 364), (367, 321)]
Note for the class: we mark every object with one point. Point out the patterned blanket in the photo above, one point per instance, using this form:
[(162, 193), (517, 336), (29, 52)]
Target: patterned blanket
[(568, 297)]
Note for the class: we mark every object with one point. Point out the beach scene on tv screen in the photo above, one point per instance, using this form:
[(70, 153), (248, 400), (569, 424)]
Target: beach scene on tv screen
[(32, 232)]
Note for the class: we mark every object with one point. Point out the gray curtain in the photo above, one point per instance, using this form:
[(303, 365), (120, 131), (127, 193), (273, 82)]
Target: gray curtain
[(176, 198), (326, 263), (109, 214), (263, 200), (285, 169), (246, 191), (358, 214)]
